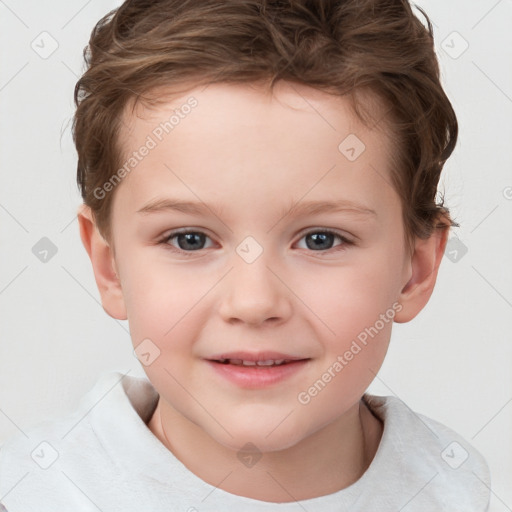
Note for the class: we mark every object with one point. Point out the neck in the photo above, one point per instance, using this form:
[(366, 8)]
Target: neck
[(327, 461)]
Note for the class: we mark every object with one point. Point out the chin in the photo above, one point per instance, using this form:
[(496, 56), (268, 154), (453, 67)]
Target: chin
[(259, 444), (265, 437)]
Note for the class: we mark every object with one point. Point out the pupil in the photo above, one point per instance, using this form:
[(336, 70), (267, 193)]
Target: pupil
[(190, 240), (320, 241), (315, 241)]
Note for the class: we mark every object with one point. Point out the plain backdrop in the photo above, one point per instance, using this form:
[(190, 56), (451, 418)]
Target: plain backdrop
[(452, 363)]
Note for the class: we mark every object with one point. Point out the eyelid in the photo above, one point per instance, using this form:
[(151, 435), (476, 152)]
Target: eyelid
[(347, 238), (179, 231), (301, 233), (165, 240)]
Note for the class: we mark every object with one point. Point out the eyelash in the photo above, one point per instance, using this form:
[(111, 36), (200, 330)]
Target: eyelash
[(165, 241)]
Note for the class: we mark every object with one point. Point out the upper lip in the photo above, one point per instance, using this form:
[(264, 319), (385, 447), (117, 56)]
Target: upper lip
[(255, 356)]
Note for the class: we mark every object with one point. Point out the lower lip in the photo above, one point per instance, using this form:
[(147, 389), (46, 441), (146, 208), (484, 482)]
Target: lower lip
[(257, 376)]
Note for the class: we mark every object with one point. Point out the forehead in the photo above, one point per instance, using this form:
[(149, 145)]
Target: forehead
[(256, 103), (293, 139)]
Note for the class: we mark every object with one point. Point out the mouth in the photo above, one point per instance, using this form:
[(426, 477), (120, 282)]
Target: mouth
[(261, 364), (257, 370), (259, 360)]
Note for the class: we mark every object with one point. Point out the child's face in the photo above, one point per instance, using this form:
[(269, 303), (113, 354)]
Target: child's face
[(259, 277)]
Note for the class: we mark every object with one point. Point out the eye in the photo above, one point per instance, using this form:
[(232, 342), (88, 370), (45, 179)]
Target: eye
[(323, 240), (188, 241)]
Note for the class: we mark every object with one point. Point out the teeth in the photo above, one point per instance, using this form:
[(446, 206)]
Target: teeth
[(269, 362), (242, 362)]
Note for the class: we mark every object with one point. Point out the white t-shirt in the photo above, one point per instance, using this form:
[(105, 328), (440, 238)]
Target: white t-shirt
[(104, 457)]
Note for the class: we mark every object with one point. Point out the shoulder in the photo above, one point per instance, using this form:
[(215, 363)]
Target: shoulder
[(436, 462), (56, 460)]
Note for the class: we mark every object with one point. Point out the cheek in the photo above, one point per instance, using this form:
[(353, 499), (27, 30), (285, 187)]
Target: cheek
[(355, 306), (357, 314), (349, 299), (161, 300)]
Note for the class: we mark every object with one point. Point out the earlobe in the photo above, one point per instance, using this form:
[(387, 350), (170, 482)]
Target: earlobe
[(424, 266), (103, 265)]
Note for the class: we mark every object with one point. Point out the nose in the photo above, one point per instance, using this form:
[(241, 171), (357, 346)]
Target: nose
[(253, 294)]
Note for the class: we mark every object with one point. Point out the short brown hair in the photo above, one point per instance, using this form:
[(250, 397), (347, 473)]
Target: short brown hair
[(342, 47)]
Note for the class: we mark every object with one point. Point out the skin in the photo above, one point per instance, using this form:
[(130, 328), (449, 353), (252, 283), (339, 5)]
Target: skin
[(251, 155)]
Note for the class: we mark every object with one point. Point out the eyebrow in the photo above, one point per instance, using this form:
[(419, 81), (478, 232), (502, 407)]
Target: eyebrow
[(165, 204), (300, 208), (316, 207)]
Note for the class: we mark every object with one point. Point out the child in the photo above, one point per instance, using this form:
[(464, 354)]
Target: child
[(259, 181)]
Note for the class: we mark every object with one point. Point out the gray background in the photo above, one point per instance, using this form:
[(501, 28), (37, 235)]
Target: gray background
[(452, 363)]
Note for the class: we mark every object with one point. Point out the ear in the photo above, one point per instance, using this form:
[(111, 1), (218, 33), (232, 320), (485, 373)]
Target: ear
[(424, 266), (103, 264)]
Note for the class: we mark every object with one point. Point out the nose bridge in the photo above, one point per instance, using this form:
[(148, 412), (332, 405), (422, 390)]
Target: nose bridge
[(251, 292)]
